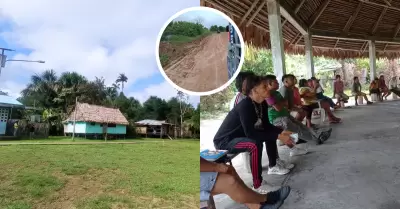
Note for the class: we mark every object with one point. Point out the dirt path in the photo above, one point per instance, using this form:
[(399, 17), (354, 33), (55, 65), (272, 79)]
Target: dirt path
[(205, 67)]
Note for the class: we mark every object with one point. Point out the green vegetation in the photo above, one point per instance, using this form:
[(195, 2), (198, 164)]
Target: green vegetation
[(179, 32), (56, 96), (260, 61), (143, 175), (215, 28)]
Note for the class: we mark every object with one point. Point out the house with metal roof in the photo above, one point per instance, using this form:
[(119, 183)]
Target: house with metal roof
[(7, 105)]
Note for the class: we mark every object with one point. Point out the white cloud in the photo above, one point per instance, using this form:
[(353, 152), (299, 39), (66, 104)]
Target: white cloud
[(94, 38), (164, 90)]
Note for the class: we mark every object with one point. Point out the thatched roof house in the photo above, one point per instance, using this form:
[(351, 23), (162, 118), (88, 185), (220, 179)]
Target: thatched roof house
[(94, 119), (97, 114), (339, 28)]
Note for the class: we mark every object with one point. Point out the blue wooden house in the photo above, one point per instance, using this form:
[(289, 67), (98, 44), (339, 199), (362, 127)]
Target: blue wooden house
[(7, 106), (95, 121)]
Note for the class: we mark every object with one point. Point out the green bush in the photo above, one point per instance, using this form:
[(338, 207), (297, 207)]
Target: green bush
[(164, 59)]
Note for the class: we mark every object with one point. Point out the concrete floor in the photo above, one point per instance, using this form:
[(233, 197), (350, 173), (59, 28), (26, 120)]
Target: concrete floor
[(358, 168)]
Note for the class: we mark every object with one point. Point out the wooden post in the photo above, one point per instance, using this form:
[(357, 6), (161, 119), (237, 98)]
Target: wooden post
[(76, 110)]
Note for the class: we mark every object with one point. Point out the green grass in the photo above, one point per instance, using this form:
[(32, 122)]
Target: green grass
[(164, 59), (100, 176), (179, 39), (62, 139)]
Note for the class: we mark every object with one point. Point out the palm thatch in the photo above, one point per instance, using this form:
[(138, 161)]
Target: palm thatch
[(97, 114), (340, 28)]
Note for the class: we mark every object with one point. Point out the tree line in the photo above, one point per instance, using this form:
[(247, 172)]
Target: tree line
[(54, 98), (215, 28), (184, 28)]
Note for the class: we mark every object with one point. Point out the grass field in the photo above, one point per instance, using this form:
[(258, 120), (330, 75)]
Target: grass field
[(143, 175)]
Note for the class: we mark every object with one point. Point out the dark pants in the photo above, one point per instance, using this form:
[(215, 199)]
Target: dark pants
[(396, 91), (309, 109), (325, 98), (255, 147), (374, 91)]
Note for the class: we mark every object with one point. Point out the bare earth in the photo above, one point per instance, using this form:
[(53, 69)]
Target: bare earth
[(204, 68)]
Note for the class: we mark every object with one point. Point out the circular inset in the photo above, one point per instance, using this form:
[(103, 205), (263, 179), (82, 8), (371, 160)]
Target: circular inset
[(200, 51)]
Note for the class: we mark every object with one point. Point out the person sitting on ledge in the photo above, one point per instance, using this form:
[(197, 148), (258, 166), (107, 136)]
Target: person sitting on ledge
[(374, 89), (311, 102), (279, 116), (320, 93), (393, 86), (218, 178), (246, 128), (356, 91), (383, 88), (338, 91)]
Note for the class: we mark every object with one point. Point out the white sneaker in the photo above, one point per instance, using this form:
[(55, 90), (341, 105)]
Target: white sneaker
[(262, 189), (278, 170), (284, 164), (295, 151)]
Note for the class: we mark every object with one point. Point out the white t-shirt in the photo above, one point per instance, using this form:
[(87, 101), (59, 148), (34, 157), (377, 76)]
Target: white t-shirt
[(236, 99), (319, 90)]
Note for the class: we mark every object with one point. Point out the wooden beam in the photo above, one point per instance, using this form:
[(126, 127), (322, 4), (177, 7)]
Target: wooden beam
[(202, 3), (299, 6), (352, 18), (396, 31), (378, 4), (379, 19), (295, 11), (336, 43), (388, 2), (344, 49), (359, 37), (249, 11), (256, 13), (295, 20), (313, 19), (226, 10)]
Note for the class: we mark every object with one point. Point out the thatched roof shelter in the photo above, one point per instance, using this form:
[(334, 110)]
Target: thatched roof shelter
[(340, 28), (97, 114)]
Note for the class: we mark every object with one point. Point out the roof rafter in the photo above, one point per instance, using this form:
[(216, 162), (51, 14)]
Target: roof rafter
[(378, 4), (352, 18), (248, 11), (313, 19), (396, 31), (328, 34), (255, 13), (295, 11), (380, 18), (292, 17)]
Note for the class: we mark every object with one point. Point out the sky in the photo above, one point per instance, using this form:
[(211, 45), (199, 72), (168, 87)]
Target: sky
[(208, 18), (91, 37)]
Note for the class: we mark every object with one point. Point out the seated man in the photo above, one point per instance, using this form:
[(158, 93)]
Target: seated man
[(393, 86), (240, 84), (310, 102), (280, 117), (356, 91), (222, 179), (374, 89), (246, 128), (291, 94), (383, 88), (338, 91), (320, 93)]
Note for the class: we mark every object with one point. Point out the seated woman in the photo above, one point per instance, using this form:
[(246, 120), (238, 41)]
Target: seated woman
[(356, 91), (320, 93), (246, 128), (222, 179), (374, 88), (311, 102), (383, 88)]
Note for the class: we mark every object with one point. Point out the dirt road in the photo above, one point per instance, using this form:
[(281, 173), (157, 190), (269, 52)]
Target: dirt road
[(204, 68)]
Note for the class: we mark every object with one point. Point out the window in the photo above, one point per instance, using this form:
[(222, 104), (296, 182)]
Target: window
[(92, 124), (112, 125)]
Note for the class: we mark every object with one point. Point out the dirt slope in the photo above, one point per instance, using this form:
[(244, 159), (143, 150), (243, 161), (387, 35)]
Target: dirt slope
[(204, 68)]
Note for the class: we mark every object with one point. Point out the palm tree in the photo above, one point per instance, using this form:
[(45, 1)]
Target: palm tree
[(122, 79)]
